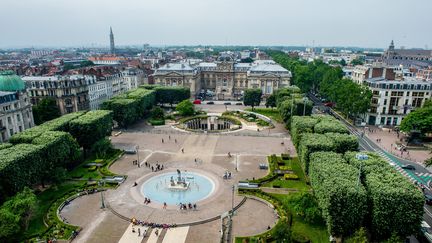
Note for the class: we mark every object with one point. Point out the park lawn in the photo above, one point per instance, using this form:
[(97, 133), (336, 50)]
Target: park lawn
[(269, 112), (44, 201), (83, 172), (316, 233), (300, 184)]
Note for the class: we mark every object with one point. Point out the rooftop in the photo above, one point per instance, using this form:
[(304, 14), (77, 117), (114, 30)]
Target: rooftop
[(9, 81)]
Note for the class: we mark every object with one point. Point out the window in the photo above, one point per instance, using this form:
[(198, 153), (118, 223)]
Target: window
[(11, 132), (385, 102), (386, 93), (383, 110)]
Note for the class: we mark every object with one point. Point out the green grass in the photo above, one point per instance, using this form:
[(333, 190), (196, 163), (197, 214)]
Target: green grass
[(299, 184), (316, 233), (269, 112), (44, 201)]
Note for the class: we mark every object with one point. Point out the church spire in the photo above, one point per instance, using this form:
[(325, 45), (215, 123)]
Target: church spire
[(112, 46), (392, 47)]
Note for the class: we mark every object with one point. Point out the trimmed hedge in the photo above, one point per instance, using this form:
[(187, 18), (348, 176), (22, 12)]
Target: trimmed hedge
[(301, 124), (129, 107), (58, 124), (342, 200), (171, 95), (330, 126), (396, 205), (344, 142), (91, 127), (20, 165), (5, 145), (311, 143)]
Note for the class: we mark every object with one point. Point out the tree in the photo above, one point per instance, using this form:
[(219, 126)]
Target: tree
[(185, 108), (252, 97), (15, 214), (101, 147), (157, 113), (356, 62), (271, 101), (247, 60), (45, 110), (420, 119)]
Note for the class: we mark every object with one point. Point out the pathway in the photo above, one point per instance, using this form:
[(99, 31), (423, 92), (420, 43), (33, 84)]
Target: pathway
[(131, 234)]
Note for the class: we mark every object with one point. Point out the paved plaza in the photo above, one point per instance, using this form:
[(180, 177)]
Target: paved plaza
[(204, 154)]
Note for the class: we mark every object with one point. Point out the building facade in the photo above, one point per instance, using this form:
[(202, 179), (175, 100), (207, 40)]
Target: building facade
[(392, 100), (71, 92), (225, 77), (15, 109)]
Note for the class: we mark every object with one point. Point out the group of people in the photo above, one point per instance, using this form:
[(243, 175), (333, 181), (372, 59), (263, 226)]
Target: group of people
[(147, 201), (157, 167), (169, 138), (227, 175), (184, 206), (151, 225)]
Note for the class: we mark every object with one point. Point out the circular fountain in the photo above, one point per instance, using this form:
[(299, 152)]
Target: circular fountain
[(178, 187), (211, 123)]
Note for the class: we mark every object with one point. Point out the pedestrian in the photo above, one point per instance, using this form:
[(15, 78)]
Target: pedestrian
[(139, 232), (164, 205), (156, 232), (162, 140), (152, 168), (175, 140), (169, 137), (182, 150)]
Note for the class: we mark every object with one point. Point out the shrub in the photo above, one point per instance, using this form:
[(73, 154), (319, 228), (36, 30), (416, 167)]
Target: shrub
[(157, 122), (291, 177), (285, 156), (344, 142), (330, 126), (91, 127), (342, 200), (5, 145), (397, 205), (185, 108), (157, 113), (300, 125), (311, 143)]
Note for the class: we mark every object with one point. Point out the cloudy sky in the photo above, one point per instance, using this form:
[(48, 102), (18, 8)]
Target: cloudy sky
[(365, 23)]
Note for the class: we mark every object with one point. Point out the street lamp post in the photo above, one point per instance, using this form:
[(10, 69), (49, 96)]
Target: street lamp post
[(232, 201), (304, 105), (137, 151)]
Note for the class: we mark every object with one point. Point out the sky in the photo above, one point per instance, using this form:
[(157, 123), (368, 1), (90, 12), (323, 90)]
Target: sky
[(360, 23)]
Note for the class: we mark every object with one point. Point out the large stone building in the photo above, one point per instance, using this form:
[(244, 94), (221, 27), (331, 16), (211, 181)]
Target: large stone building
[(70, 92), (227, 78), (407, 57), (15, 109), (392, 100)]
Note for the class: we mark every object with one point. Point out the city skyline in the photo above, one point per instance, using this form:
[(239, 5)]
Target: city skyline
[(191, 22)]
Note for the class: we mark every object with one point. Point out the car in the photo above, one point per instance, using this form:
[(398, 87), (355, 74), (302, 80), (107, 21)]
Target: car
[(428, 199), (427, 231), (408, 167), (329, 104), (197, 102), (227, 103), (239, 103), (210, 103)]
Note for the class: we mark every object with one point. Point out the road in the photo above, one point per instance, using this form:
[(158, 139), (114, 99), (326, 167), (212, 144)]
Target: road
[(366, 144)]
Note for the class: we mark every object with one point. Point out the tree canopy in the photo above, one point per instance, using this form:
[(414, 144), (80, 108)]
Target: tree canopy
[(252, 97), (185, 108), (419, 119), (45, 110)]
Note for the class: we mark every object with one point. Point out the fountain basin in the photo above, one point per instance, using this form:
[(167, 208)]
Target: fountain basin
[(160, 189)]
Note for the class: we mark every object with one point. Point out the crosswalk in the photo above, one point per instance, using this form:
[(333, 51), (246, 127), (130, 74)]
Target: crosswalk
[(414, 177), (148, 235)]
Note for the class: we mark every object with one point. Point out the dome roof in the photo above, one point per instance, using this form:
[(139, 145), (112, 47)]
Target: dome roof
[(9, 81)]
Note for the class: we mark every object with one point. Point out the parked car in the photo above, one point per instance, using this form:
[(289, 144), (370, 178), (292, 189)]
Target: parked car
[(227, 103), (210, 103), (428, 199), (197, 102), (239, 103), (408, 167)]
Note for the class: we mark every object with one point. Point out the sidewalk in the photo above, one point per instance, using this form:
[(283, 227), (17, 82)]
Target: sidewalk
[(388, 142)]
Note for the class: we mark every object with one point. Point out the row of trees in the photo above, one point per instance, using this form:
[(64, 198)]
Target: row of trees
[(35, 155), (350, 98), (129, 107), (350, 192)]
